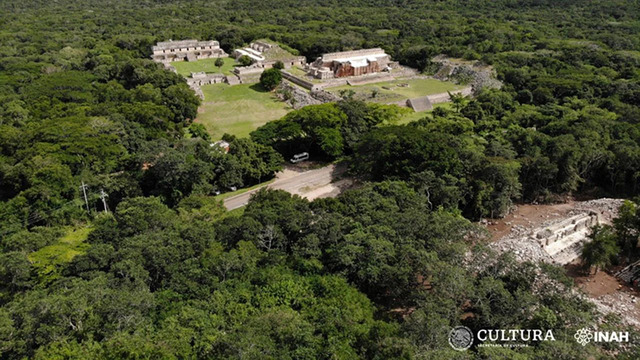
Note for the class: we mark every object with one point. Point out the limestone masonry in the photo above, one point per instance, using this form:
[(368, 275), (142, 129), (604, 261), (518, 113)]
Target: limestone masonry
[(189, 50), (350, 63)]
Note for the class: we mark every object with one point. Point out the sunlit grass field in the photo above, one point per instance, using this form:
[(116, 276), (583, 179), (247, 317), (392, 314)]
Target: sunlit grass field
[(390, 91), (238, 109), (185, 68)]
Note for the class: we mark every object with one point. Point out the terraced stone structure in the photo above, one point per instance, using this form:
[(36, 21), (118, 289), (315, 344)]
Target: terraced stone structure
[(189, 50), (264, 55), (563, 241)]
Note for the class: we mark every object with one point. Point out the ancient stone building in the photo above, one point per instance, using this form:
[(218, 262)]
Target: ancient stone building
[(350, 63), (190, 50), (265, 54)]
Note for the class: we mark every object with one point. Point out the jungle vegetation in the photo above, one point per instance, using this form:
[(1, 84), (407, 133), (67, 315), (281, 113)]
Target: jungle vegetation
[(375, 273)]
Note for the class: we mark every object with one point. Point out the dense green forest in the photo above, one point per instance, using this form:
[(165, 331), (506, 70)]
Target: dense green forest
[(376, 273)]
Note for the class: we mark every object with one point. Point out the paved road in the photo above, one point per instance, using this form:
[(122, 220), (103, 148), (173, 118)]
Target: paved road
[(298, 184)]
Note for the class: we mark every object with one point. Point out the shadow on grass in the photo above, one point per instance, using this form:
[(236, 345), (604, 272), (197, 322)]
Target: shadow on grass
[(259, 88)]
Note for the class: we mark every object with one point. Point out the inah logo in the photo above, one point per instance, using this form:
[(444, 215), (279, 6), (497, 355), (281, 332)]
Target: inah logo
[(461, 338), (583, 336)]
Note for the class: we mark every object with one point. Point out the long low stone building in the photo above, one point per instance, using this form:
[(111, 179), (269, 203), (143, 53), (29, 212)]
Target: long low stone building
[(189, 50)]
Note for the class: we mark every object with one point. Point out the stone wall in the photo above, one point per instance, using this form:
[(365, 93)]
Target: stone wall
[(420, 104), (324, 96), (295, 96), (564, 241), (354, 53), (190, 50), (299, 81)]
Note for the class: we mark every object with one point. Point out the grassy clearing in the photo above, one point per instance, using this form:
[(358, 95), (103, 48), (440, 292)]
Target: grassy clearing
[(238, 109), (390, 91), (413, 116), (185, 68), (49, 260), (294, 70)]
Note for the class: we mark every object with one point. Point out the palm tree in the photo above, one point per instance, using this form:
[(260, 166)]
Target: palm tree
[(458, 100)]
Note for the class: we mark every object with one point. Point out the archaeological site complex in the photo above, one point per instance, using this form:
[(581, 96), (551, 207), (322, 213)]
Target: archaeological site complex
[(307, 80)]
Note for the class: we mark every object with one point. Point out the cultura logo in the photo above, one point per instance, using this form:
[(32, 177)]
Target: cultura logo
[(461, 338), (583, 336)]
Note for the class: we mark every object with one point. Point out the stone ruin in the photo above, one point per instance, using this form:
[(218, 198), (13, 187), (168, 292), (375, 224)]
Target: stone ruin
[(630, 274), (479, 75), (297, 97), (350, 63), (563, 241), (558, 241), (186, 50)]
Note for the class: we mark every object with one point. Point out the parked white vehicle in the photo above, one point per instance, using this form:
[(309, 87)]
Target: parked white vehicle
[(299, 157)]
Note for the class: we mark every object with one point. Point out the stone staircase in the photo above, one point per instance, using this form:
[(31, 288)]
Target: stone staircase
[(629, 273), (563, 241)]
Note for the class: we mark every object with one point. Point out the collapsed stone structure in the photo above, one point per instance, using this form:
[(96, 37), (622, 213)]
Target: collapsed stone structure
[(630, 274), (189, 50), (477, 74), (296, 97), (560, 240), (350, 63)]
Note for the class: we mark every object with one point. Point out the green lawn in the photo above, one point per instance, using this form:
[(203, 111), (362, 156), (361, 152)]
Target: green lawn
[(238, 109), (393, 92), (185, 68), (294, 70)]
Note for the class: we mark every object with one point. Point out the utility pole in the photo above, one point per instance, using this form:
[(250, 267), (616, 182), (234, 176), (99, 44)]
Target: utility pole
[(84, 191), (103, 197)]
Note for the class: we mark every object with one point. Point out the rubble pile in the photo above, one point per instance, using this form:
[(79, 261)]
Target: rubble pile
[(606, 208), (558, 240), (480, 76), (295, 96), (523, 248), (620, 303)]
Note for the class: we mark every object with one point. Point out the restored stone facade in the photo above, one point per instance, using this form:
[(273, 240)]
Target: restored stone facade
[(189, 50), (261, 54), (350, 63)]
